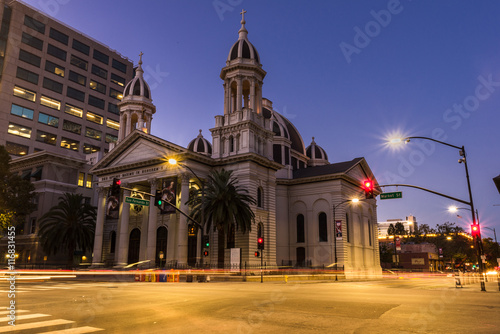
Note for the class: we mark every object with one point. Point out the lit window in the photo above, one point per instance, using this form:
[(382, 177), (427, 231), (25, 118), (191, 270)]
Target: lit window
[(51, 103), (88, 184), (54, 68), (92, 133), (117, 79), (16, 149), (70, 144), (72, 110), (94, 118), (46, 137), (47, 119), (115, 94), (24, 93), (81, 178), (97, 86), (19, 130), (88, 149), (111, 138), (112, 124)]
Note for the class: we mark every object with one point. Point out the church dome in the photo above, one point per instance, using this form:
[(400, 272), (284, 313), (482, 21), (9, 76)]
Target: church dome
[(282, 127), (243, 48), (137, 86), (316, 154), (200, 145)]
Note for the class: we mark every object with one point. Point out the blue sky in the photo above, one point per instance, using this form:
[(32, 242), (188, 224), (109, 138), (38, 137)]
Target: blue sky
[(349, 73)]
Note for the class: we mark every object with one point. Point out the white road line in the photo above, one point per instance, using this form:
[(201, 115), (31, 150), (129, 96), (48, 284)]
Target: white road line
[(11, 329), (27, 316), (17, 311), (76, 330)]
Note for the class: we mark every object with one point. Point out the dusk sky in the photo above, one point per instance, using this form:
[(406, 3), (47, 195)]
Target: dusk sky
[(352, 74)]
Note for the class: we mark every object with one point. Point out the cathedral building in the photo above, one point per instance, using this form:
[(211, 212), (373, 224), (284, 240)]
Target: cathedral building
[(303, 208)]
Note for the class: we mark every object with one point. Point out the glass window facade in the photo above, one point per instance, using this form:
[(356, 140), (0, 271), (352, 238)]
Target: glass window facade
[(117, 80), (21, 111), (19, 130), (70, 144), (34, 24), (98, 55), (111, 138), (113, 108), (53, 85), (58, 36), (54, 68), (50, 102), (75, 94), (72, 127), (81, 179), (96, 102), (56, 52), (16, 149), (87, 148), (26, 75), (99, 87), (47, 119), (115, 94), (29, 58), (72, 110), (82, 47), (79, 62), (112, 124), (93, 133), (78, 78), (119, 66), (32, 41), (100, 72), (91, 117), (45, 137), (24, 93)]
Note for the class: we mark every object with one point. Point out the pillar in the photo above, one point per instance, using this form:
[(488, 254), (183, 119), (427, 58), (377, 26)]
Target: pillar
[(182, 231), (144, 231), (252, 95), (239, 93), (124, 233), (99, 227), (152, 214), (128, 126)]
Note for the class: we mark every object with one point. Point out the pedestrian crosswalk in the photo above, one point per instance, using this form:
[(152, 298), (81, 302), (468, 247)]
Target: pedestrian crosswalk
[(28, 322), (23, 288)]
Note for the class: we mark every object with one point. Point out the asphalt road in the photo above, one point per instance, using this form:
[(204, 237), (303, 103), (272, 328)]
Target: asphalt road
[(407, 305)]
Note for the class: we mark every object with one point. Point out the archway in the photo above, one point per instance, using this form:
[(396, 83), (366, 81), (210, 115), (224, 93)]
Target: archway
[(134, 245), (161, 245)]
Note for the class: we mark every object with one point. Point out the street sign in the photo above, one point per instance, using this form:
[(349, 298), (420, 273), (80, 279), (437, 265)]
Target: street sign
[(397, 194), (137, 201)]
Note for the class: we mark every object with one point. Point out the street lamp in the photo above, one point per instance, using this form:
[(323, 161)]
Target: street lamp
[(175, 162), (471, 203), (354, 200)]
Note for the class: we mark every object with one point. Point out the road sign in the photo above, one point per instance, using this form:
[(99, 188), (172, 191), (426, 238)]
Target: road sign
[(397, 194), (137, 201)]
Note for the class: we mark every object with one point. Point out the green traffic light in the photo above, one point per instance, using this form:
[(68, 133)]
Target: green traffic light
[(207, 244), (159, 202)]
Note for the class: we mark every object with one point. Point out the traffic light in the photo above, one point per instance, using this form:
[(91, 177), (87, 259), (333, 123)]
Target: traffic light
[(205, 253), (206, 241), (158, 200), (257, 254), (260, 243), (115, 188), (474, 230), (368, 188)]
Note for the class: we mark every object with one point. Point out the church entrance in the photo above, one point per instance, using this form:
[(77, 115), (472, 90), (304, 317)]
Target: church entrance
[(134, 244), (301, 256)]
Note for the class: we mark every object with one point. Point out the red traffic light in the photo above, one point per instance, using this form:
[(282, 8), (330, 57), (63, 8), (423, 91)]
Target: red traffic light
[(117, 182), (257, 254), (205, 253), (474, 228), (260, 243), (368, 185)]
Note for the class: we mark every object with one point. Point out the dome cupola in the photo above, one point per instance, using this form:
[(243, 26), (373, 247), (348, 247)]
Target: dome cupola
[(316, 154), (243, 48), (200, 145), (137, 86)]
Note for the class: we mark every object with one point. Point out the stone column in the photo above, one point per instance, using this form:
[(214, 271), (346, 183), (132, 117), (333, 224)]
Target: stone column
[(152, 225), (128, 126), (182, 231), (226, 104), (239, 93), (252, 95), (99, 228), (144, 231), (124, 234)]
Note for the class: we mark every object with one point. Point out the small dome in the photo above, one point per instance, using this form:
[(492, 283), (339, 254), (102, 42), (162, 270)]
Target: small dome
[(316, 154), (200, 145), (137, 86), (243, 48)]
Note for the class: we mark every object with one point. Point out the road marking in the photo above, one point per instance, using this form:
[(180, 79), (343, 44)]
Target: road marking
[(27, 316), (8, 312), (11, 329), (76, 330)]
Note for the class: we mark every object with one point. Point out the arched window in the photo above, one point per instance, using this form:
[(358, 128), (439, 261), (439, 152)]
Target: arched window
[(300, 228), (113, 242), (323, 231), (369, 233), (259, 197), (231, 144), (347, 227)]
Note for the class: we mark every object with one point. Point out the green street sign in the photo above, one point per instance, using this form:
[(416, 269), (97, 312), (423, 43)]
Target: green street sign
[(137, 201), (397, 194)]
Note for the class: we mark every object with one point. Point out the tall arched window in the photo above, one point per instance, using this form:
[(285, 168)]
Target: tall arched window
[(113, 242), (300, 228), (231, 144), (323, 231), (259, 197), (347, 227)]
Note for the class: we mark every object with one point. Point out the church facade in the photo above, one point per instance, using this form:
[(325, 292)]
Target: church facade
[(303, 208)]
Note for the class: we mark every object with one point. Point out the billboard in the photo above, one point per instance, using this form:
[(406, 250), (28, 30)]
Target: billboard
[(168, 194)]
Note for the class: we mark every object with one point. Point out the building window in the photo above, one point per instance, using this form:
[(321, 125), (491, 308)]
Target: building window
[(347, 227), (34, 24), (16, 149), (92, 133), (115, 94), (79, 46), (56, 52), (97, 86), (75, 94), (322, 227), (259, 197), (27, 75), (119, 66), (70, 144), (32, 41), (96, 102), (45, 137), (79, 62), (81, 179), (51, 103), (33, 226), (24, 93), (94, 118), (19, 130), (100, 72), (117, 80), (110, 138), (78, 78), (29, 58), (87, 149), (72, 127), (37, 176), (300, 228), (113, 108), (52, 85), (21, 111), (88, 183), (98, 55), (47, 119), (112, 124), (58, 36), (72, 110), (54, 68)]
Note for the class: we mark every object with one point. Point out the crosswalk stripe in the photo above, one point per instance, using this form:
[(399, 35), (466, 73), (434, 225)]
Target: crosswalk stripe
[(17, 311), (23, 317), (76, 330), (11, 329)]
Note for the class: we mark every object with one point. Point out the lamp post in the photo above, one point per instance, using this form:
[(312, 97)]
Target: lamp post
[(175, 162), (354, 200), (471, 202)]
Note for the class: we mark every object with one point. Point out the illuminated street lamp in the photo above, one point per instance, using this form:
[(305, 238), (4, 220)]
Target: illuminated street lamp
[(463, 160), (354, 200)]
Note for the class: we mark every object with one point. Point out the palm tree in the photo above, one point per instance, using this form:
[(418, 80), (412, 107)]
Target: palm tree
[(68, 226), (226, 205)]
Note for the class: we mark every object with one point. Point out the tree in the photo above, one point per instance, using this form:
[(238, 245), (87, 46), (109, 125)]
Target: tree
[(225, 205), (68, 226), (391, 230), (399, 229), (16, 195), (448, 228)]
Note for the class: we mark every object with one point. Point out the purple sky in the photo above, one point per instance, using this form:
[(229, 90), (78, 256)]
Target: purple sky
[(349, 73)]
